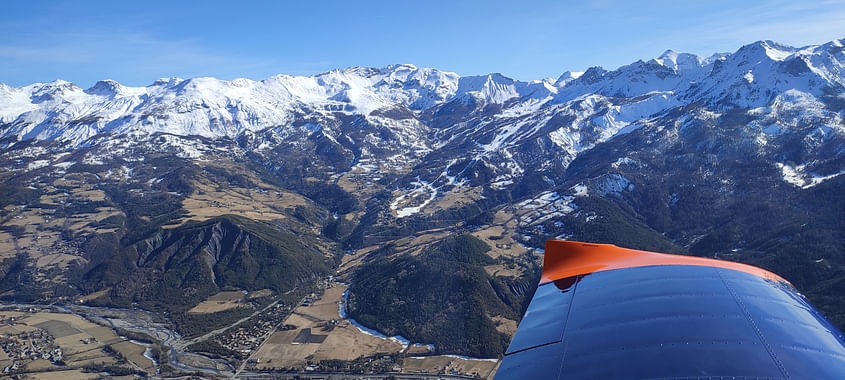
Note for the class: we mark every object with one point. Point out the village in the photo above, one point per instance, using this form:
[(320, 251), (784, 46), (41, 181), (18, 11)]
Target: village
[(25, 346), (48, 342), (248, 336)]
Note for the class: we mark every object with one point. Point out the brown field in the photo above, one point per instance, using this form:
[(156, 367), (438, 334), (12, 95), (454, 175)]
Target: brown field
[(456, 197), (505, 326), (41, 239), (8, 248), (344, 342), (56, 259), (70, 333), (422, 239), (446, 364), (505, 217), (94, 295), (16, 329), (264, 202), (259, 293), (418, 349), (499, 236), (76, 181), (219, 302), (103, 334), (500, 270), (74, 374), (135, 354), (348, 262), (39, 365), (92, 195), (356, 182)]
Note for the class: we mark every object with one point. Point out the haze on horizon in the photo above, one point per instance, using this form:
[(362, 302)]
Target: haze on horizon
[(136, 43)]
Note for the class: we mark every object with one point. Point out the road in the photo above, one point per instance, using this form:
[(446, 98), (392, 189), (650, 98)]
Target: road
[(263, 340), (222, 329), (144, 322)]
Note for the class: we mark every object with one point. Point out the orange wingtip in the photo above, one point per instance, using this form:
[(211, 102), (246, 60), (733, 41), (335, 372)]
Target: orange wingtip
[(564, 259)]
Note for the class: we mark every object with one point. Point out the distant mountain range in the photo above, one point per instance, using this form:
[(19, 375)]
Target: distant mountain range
[(374, 171), (754, 76)]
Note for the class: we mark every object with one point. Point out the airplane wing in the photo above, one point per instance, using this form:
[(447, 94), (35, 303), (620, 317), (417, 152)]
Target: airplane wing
[(604, 312)]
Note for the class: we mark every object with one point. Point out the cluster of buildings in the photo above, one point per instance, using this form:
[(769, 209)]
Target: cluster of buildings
[(65, 247), (24, 347), (245, 339), (369, 365)]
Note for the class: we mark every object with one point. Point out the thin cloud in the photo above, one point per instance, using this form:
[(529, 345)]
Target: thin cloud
[(125, 51), (814, 29), (795, 24), (39, 54)]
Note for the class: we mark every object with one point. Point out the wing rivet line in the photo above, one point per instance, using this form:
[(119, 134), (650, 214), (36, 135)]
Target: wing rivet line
[(754, 325)]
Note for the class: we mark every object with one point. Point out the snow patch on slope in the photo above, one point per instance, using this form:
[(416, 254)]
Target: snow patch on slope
[(612, 184), (422, 194), (797, 176)]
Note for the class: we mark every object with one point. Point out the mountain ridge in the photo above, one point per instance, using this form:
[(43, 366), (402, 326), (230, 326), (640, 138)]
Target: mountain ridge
[(737, 156), (213, 108)]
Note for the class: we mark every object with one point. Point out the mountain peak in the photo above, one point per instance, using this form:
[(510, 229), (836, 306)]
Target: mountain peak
[(678, 61), (493, 87), (592, 75), (567, 76), (211, 107), (58, 84), (669, 54), (55, 88), (772, 50), (105, 87)]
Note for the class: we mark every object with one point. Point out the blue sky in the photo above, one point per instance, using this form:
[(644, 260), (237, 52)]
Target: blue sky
[(136, 42)]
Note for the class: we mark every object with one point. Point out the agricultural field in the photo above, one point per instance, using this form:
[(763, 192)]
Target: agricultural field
[(259, 201), (46, 233), (44, 344), (449, 364), (320, 334), (220, 302)]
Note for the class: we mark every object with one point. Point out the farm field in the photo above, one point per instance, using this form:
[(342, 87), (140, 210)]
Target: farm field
[(321, 334), (338, 339), (45, 344)]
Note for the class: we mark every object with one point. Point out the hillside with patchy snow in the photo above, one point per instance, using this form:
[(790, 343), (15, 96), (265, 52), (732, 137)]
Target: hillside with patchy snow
[(738, 156)]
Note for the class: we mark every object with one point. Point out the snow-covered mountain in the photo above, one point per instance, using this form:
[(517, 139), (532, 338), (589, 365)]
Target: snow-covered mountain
[(754, 76), (499, 123), (212, 108), (738, 155), (499, 126)]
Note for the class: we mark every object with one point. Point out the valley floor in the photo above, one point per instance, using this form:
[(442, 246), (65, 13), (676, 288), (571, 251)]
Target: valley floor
[(314, 341)]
